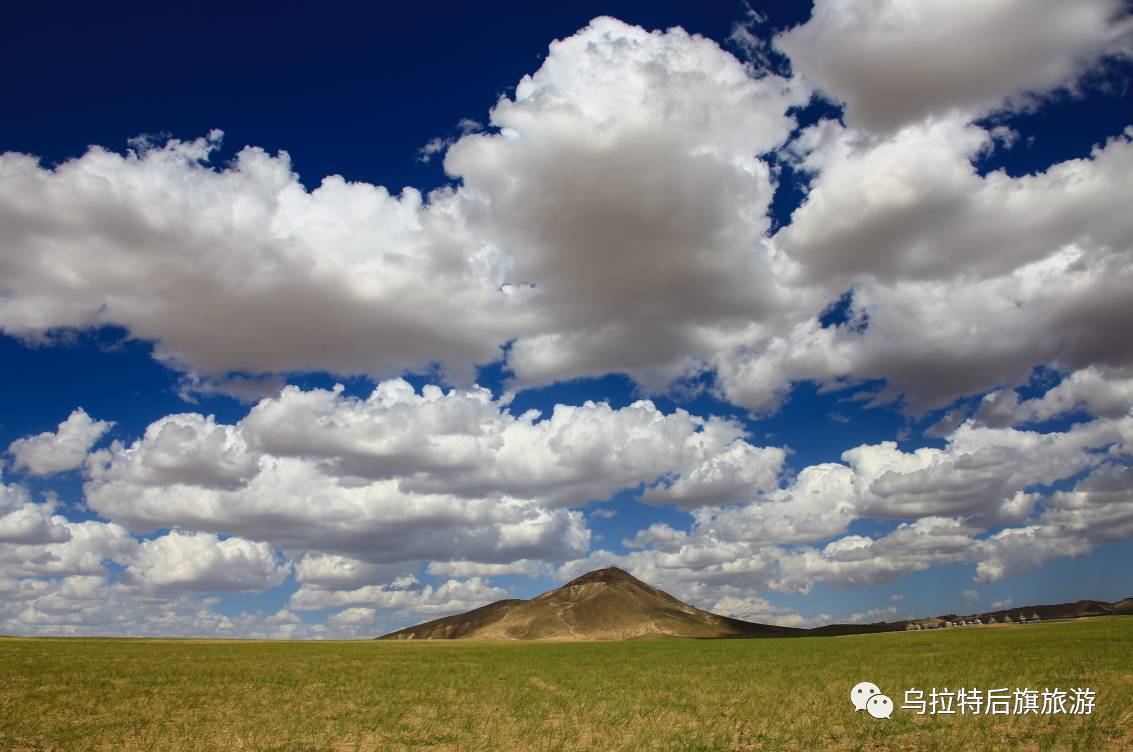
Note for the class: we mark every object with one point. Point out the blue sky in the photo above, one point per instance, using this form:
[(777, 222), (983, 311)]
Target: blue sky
[(319, 324)]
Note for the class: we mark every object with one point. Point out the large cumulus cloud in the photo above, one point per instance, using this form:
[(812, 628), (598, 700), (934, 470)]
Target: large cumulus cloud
[(893, 62)]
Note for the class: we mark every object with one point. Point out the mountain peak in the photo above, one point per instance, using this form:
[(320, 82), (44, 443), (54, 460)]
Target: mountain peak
[(606, 604), (608, 575)]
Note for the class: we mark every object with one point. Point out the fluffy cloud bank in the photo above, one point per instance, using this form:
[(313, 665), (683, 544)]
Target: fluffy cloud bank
[(613, 217), (359, 492), (959, 282), (401, 475), (341, 505), (242, 269), (984, 478)]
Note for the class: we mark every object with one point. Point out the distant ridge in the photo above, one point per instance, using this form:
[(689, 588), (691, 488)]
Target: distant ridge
[(1075, 610), (606, 604), (611, 604)]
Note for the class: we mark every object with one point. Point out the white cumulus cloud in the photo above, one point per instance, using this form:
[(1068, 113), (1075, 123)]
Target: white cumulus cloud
[(893, 61), (64, 449), (205, 563)]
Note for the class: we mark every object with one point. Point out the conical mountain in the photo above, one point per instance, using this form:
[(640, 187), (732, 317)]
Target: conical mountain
[(606, 604)]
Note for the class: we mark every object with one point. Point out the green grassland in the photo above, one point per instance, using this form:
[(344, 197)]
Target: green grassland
[(773, 694)]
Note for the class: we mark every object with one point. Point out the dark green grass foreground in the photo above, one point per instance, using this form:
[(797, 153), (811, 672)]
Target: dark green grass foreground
[(774, 694)]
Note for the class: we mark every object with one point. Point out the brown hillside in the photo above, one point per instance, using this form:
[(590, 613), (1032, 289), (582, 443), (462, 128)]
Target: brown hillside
[(1123, 606), (606, 604)]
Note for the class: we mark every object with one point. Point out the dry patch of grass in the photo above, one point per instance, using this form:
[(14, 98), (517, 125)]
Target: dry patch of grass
[(691, 695)]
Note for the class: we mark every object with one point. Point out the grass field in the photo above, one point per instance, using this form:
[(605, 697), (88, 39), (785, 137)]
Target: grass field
[(774, 694)]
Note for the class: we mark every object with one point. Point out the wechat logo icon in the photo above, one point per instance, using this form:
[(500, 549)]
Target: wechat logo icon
[(867, 696)]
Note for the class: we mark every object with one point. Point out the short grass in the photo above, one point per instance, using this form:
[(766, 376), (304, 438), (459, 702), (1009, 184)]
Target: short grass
[(773, 694)]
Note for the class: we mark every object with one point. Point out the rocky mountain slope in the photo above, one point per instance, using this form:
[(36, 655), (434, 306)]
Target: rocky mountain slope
[(606, 604)]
